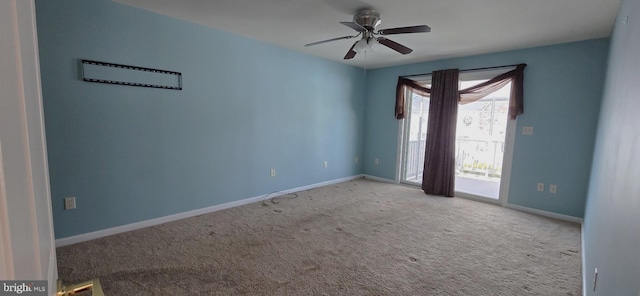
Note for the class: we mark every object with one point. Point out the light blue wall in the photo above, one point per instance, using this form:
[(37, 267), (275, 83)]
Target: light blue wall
[(130, 154), (612, 218), (562, 92)]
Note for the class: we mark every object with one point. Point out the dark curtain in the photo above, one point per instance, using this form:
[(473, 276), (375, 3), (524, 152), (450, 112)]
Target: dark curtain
[(439, 167), (479, 91), (471, 94), (401, 88), (439, 161)]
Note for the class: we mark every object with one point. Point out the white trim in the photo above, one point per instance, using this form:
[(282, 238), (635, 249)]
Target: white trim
[(28, 81), (507, 161), (6, 254), (35, 122), (403, 137), (584, 262), (35, 144), (26, 212), (61, 242), (400, 167), (385, 180), (478, 198), (503, 194), (52, 272), (490, 201), (544, 213)]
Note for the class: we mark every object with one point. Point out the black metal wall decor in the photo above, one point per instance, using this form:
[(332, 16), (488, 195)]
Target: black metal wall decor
[(110, 73)]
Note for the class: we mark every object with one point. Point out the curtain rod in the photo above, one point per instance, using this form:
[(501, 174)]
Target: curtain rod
[(468, 70)]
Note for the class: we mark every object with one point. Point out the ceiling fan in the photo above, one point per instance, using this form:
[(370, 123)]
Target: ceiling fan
[(365, 23)]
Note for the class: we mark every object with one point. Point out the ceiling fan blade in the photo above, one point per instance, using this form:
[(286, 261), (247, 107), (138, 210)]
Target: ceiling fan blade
[(405, 30), (328, 40), (354, 26), (350, 54), (394, 45)]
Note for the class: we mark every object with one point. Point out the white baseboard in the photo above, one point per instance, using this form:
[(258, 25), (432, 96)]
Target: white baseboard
[(61, 242), (486, 200), (374, 178), (544, 213), (477, 198)]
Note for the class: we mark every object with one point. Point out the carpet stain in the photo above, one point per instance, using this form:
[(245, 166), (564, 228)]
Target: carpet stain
[(310, 265)]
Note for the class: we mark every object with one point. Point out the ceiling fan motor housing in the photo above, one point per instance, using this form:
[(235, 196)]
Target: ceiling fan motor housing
[(367, 18)]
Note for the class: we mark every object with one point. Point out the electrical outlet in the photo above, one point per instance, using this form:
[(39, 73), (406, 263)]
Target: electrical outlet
[(376, 161), (69, 203), (326, 164), (273, 172), (540, 186), (553, 188), (527, 130)]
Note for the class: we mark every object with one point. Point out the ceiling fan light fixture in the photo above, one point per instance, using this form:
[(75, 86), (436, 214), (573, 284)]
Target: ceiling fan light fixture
[(366, 45), (361, 46)]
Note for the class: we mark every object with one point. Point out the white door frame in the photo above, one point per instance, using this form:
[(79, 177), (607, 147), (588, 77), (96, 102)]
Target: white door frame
[(403, 135), (6, 260), (507, 161), (26, 225), (503, 195)]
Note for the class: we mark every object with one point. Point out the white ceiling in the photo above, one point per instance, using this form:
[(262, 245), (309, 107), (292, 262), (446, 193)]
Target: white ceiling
[(459, 27)]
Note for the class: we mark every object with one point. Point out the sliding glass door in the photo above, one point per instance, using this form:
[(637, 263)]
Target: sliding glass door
[(414, 139), (480, 143), (482, 140)]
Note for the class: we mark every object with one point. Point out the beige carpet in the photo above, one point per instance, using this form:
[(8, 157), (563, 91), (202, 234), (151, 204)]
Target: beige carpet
[(355, 238)]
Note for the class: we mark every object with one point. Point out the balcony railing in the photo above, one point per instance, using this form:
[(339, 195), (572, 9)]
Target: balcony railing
[(479, 157), (415, 160), (474, 158)]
